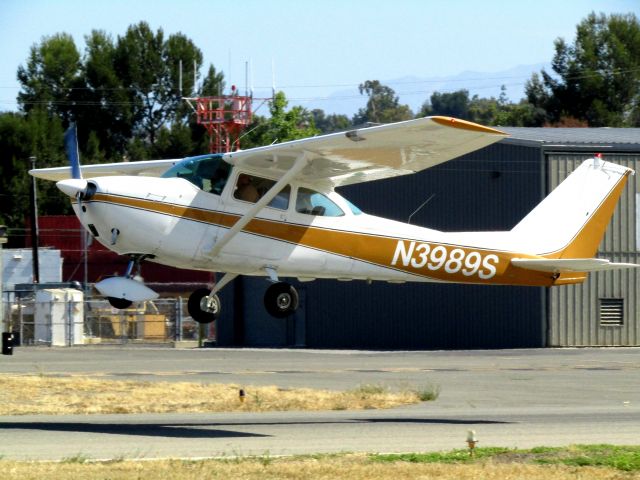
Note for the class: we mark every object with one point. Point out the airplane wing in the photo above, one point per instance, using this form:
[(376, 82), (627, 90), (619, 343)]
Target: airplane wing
[(569, 265), (148, 168), (373, 153), (355, 156)]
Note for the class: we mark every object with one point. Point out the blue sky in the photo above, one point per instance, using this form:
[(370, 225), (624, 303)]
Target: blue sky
[(317, 47)]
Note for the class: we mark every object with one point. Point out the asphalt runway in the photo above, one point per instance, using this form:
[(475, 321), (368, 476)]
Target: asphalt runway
[(511, 398)]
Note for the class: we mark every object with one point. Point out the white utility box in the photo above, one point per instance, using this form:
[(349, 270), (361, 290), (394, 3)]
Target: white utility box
[(59, 317)]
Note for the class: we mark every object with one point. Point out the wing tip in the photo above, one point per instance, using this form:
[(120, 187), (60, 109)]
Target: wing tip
[(466, 125)]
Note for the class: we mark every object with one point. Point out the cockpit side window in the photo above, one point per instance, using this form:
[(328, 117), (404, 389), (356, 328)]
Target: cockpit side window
[(311, 202), (214, 175), (207, 172)]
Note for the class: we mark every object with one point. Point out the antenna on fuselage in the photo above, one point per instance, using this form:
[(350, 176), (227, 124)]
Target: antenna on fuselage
[(420, 207)]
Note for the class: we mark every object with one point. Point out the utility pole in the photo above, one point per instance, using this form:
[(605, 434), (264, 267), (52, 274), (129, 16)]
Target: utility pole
[(3, 240), (34, 226)]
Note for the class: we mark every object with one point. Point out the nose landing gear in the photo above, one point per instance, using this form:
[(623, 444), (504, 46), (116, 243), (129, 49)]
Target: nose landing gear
[(121, 292)]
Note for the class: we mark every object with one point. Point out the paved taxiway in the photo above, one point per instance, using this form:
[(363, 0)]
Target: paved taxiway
[(515, 398)]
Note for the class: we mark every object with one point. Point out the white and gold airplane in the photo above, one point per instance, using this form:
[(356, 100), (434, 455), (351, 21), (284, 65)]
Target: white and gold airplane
[(273, 211)]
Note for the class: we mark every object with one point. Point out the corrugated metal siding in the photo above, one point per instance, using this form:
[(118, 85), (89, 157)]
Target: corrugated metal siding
[(422, 316), (574, 309)]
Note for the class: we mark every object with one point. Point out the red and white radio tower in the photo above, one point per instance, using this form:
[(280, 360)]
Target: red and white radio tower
[(225, 118)]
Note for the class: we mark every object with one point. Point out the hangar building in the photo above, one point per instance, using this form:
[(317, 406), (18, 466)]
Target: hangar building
[(491, 189)]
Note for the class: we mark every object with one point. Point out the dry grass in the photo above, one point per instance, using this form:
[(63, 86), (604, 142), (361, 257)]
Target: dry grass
[(352, 467), (21, 395)]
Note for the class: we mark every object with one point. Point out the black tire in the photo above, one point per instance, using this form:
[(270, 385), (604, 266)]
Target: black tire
[(194, 306), (281, 300), (119, 303)]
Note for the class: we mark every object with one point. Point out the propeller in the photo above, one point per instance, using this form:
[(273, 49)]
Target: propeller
[(76, 187)]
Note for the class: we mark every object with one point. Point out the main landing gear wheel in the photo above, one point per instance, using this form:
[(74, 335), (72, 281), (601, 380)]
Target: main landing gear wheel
[(201, 308), (281, 299), (119, 303)]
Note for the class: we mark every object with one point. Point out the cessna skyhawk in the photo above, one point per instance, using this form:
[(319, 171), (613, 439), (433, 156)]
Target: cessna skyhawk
[(273, 211)]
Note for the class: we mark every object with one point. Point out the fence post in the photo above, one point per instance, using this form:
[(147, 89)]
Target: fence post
[(178, 323), (20, 316), (68, 309), (123, 327)]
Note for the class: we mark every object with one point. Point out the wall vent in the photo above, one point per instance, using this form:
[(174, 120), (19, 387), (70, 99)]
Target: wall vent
[(611, 311)]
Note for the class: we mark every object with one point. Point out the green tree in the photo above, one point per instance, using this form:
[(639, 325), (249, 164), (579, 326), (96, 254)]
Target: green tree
[(175, 142), (282, 125), (50, 74), (454, 104), (15, 139), (522, 114), (148, 66), (213, 83), (22, 136), (383, 105), (330, 123), (597, 78), (104, 108), (486, 111)]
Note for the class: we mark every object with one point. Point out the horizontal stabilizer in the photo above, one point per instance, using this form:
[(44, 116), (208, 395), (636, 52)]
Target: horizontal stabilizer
[(569, 265)]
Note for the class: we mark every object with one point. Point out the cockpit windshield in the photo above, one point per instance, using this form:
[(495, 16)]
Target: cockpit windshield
[(207, 172)]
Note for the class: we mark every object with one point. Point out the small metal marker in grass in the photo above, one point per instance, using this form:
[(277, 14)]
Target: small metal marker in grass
[(241, 395), (471, 441)]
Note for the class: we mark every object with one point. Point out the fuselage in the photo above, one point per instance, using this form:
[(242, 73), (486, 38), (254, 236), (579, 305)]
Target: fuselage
[(177, 223)]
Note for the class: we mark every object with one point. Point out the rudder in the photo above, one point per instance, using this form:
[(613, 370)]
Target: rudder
[(570, 222)]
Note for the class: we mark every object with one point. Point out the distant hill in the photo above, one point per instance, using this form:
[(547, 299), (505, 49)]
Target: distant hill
[(415, 90)]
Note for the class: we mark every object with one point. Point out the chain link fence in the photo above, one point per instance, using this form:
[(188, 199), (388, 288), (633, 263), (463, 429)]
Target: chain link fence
[(65, 321)]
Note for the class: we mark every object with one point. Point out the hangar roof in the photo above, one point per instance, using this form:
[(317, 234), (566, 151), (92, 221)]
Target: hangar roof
[(628, 138)]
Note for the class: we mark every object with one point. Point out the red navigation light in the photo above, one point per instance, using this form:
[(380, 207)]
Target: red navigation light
[(599, 156)]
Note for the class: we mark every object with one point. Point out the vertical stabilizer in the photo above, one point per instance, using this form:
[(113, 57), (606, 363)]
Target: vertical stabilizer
[(571, 221)]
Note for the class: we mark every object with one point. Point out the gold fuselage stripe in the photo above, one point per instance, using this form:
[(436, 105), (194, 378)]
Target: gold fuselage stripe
[(381, 250), (372, 249)]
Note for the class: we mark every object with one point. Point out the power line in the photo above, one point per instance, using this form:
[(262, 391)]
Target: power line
[(600, 72), (469, 81)]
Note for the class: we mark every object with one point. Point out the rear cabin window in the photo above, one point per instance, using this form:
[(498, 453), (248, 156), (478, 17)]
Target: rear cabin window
[(311, 202)]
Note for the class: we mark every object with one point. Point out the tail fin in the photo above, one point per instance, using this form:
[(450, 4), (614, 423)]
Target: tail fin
[(71, 145), (571, 221)]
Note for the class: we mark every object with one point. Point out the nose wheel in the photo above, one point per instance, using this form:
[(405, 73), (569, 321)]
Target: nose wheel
[(202, 307), (122, 301), (281, 299), (119, 303)]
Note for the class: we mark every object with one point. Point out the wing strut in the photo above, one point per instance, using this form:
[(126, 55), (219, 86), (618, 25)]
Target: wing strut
[(228, 277), (300, 163)]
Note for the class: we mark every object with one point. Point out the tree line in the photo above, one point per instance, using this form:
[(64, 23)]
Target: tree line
[(124, 95)]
